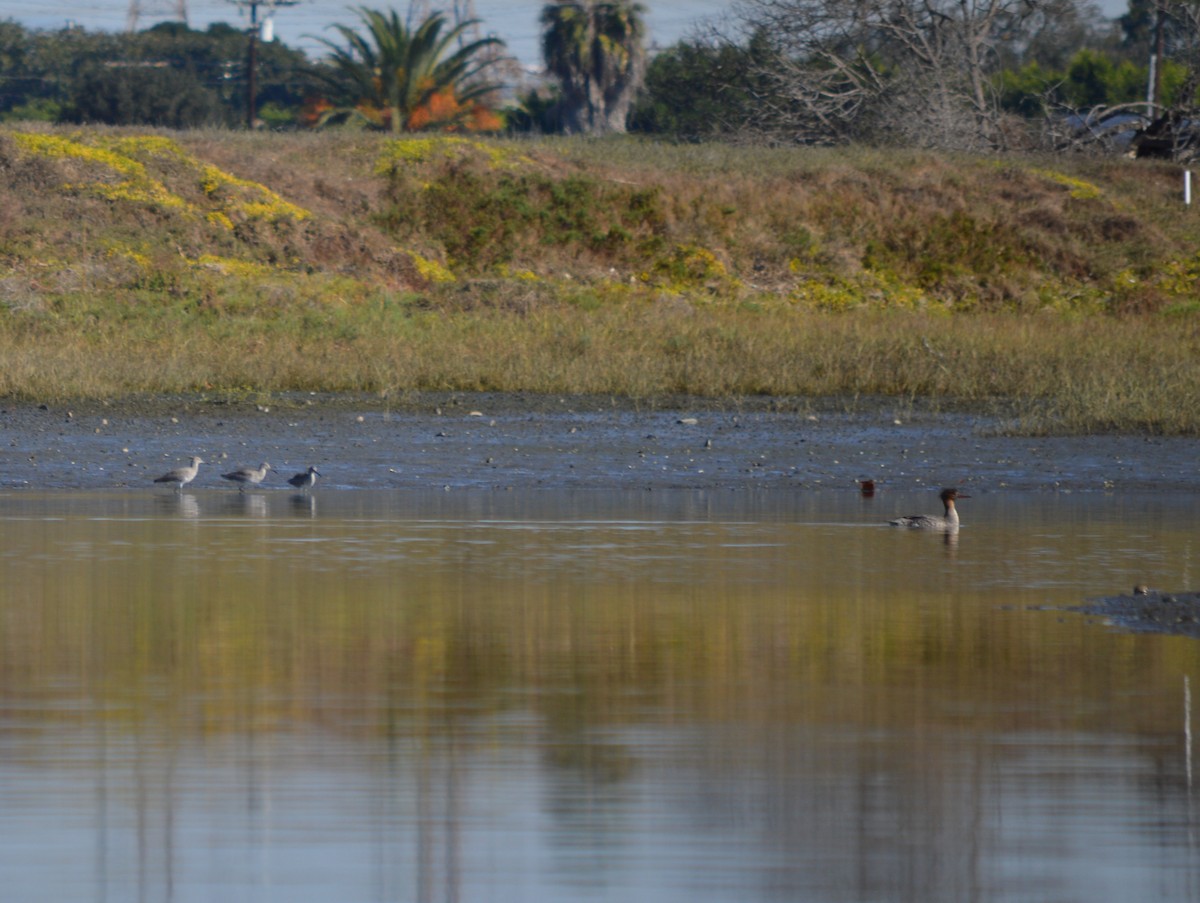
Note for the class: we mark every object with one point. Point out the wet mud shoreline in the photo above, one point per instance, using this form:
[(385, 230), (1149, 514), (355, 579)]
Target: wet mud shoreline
[(503, 442), (482, 441), (1177, 614)]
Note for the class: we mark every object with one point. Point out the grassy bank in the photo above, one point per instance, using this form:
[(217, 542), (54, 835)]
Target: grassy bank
[(1063, 295)]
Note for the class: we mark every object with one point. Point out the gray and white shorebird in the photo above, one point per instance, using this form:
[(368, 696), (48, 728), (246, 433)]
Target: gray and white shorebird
[(181, 476), (305, 480), (946, 524), (248, 476)]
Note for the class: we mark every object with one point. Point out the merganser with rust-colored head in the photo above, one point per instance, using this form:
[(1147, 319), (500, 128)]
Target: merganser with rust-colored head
[(931, 522)]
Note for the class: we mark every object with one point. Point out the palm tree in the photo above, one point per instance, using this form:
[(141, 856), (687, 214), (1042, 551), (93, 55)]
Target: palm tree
[(594, 48), (395, 75)]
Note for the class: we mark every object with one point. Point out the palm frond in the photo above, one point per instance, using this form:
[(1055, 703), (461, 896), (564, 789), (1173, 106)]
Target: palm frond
[(401, 68)]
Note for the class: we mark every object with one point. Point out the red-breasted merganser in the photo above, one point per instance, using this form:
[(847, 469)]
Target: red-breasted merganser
[(931, 522)]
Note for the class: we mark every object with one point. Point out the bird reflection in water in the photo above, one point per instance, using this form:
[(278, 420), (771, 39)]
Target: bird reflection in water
[(304, 505), (182, 503), (248, 504)]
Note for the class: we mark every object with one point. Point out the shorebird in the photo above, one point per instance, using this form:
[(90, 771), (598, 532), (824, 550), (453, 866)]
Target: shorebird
[(945, 524), (248, 475), (305, 480), (181, 475)]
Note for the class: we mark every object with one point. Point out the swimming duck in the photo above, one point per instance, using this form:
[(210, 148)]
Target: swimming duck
[(932, 522)]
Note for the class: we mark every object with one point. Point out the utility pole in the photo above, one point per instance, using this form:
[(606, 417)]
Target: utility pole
[(252, 50), (1154, 87)]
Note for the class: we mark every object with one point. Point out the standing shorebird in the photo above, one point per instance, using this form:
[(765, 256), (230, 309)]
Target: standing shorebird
[(181, 475), (946, 524), (306, 480), (248, 476)]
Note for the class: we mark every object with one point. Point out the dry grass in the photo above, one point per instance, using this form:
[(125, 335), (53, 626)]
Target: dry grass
[(1061, 293), (1049, 374)]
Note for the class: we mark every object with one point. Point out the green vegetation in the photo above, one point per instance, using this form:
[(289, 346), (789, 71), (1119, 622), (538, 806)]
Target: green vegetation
[(1061, 294), (594, 49), (167, 75), (1051, 65), (403, 78)]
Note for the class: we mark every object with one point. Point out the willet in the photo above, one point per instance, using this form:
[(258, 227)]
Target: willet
[(181, 475), (248, 475), (305, 480)]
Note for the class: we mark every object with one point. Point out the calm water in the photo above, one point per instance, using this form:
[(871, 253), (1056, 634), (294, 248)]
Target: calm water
[(544, 696)]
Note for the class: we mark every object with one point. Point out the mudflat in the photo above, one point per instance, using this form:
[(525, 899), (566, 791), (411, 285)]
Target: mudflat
[(493, 441)]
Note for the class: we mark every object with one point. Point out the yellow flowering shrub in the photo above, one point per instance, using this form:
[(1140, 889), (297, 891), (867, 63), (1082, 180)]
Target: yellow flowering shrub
[(409, 151), (1181, 278), (151, 146), (220, 218), (1078, 187), (134, 183), (249, 199), (137, 257), (431, 270), (126, 158), (58, 146), (230, 266), (868, 289), (521, 275), (687, 266)]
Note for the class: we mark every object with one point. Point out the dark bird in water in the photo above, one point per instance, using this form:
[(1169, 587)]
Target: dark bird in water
[(305, 480)]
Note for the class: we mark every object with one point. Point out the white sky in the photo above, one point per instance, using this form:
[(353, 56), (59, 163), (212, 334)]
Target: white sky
[(515, 22)]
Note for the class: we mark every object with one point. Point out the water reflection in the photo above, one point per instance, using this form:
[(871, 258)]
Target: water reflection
[(185, 504), (246, 504), (303, 504), (243, 504), (543, 696)]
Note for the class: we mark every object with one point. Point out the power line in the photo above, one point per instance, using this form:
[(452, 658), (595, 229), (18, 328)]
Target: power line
[(252, 51), (176, 9), (515, 21)]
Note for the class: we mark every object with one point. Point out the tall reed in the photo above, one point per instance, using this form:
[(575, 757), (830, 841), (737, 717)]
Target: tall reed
[(1047, 374)]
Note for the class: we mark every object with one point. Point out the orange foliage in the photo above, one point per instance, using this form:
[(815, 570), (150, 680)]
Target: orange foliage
[(312, 111), (376, 115), (484, 119), (445, 109), (316, 109)]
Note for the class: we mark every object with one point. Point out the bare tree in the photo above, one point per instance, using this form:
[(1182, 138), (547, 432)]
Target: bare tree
[(1172, 130), (915, 71)]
